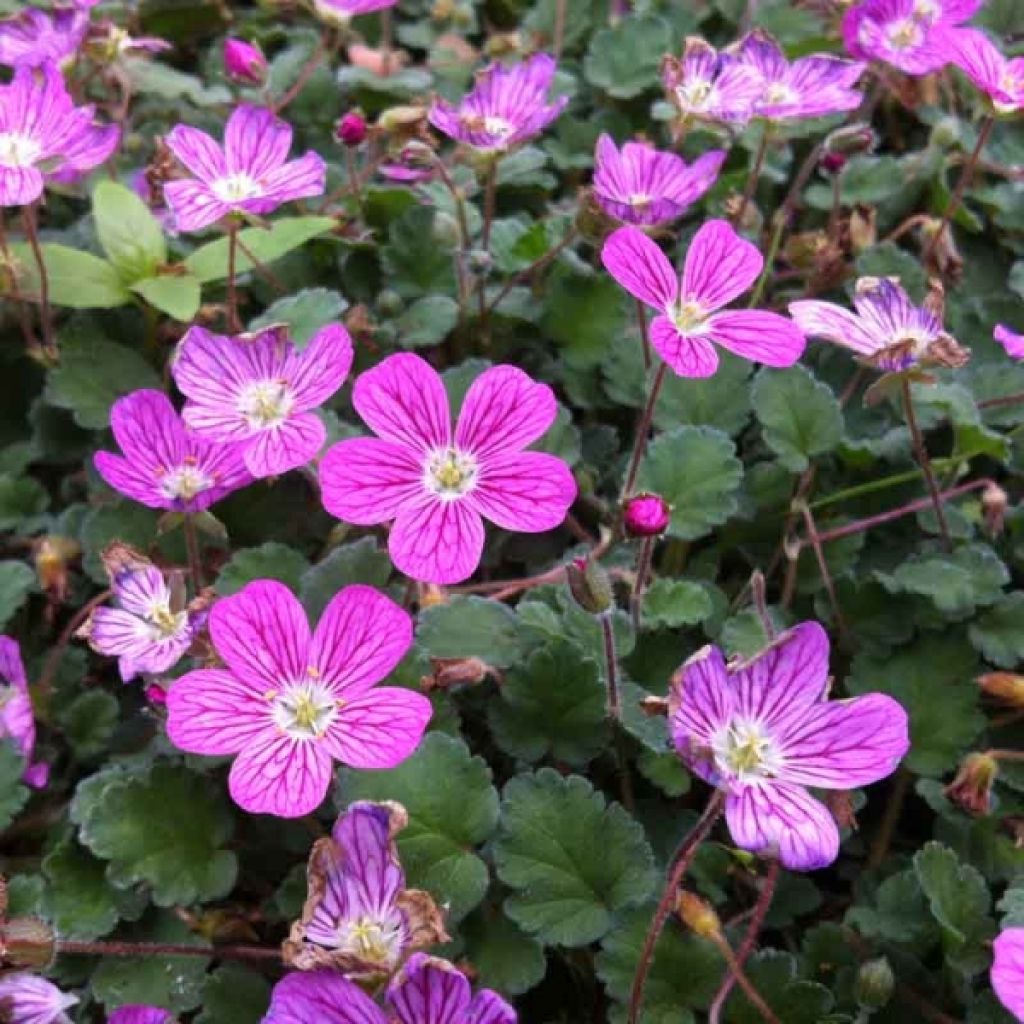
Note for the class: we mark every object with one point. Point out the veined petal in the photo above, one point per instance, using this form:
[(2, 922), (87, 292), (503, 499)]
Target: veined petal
[(640, 267), (437, 541), (148, 430), (278, 775), (488, 1007), (210, 711), (197, 151), (528, 492), (1008, 970), (213, 369), (297, 179), (294, 442), (140, 1015), (137, 590), (20, 186), (91, 146), (429, 991), (758, 335), (256, 141), (321, 368), (833, 323), (130, 480), (378, 730), (194, 206), (12, 668), (720, 265), (700, 705), (686, 355), (367, 480), (325, 997)]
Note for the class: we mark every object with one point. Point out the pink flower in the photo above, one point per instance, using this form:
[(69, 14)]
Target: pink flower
[(438, 485), (258, 391), (809, 87), (341, 12), (17, 719), (351, 129), (1013, 343), (1001, 80), (1008, 970), (507, 106), (33, 38), (763, 730), (646, 515), (707, 86), (43, 135), (719, 266), (27, 999), (642, 185), (164, 465), (291, 702), (244, 62), (250, 175)]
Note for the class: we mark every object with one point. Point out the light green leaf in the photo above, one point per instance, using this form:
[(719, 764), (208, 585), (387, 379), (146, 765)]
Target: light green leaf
[(130, 235), (669, 603), (76, 279), (270, 561), (427, 321), (306, 312), (177, 295), (472, 627), (623, 60)]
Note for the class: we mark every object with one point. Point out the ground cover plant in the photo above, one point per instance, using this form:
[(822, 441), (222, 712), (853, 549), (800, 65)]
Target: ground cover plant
[(511, 511)]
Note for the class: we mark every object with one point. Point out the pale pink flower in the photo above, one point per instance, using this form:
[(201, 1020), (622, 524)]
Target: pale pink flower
[(1000, 78), (705, 85), (28, 999), (32, 38)]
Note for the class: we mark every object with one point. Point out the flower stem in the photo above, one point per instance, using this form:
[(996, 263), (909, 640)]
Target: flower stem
[(736, 972), (234, 325), (49, 672), (460, 217), (1002, 400), (680, 864), (826, 576), (883, 838), (611, 666), (561, 12), (922, 460), (643, 429), (643, 570), (306, 72), (961, 187), (490, 188), (24, 316), (237, 952), (353, 180), (542, 261), (386, 44), (28, 217), (752, 179), (641, 319), (195, 561), (758, 596)]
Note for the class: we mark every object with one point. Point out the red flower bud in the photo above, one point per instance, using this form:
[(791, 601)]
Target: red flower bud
[(646, 515), (244, 62), (351, 129)]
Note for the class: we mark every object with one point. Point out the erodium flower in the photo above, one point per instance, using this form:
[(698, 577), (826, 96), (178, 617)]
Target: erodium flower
[(259, 391), (719, 266), (707, 86), (291, 702), (999, 78), (887, 330), (1008, 970), (358, 917), (44, 136), (140, 1015), (438, 485), (809, 87), (763, 730), (643, 185), (251, 174), (28, 999), (17, 720), (244, 62), (427, 990), (507, 106), (1012, 342), (151, 628), (34, 38), (164, 465)]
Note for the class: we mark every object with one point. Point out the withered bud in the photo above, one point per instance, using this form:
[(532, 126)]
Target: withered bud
[(1006, 687), (698, 915), (935, 300), (431, 595), (27, 943), (592, 222), (994, 503), (840, 803), (947, 352), (503, 44), (52, 554), (752, 220), (850, 140), (862, 228), (971, 789), (404, 122), (589, 585), (449, 672), (654, 706)]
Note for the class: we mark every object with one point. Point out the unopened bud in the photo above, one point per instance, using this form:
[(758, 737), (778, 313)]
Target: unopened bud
[(445, 229), (863, 228), (698, 915), (589, 585), (351, 129), (244, 62), (945, 133), (994, 502), (156, 694), (875, 984), (449, 672), (646, 515), (27, 944), (592, 222), (850, 140), (1006, 687), (971, 789), (390, 303), (403, 121), (833, 163)]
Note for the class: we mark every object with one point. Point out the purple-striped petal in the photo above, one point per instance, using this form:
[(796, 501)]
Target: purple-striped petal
[(758, 335), (256, 142), (12, 668), (378, 730), (1008, 970), (325, 997), (297, 179), (720, 265), (686, 355), (639, 265), (294, 442), (836, 324), (528, 492), (194, 206), (213, 712), (428, 990), (140, 1015), (197, 151), (488, 1007), (321, 368), (20, 186), (368, 481), (437, 541), (130, 480), (701, 704), (279, 775)]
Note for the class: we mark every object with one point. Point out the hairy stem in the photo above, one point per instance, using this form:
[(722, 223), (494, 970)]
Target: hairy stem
[(28, 218), (234, 324), (611, 661), (195, 561), (883, 837), (386, 44), (24, 316), (737, 973), (643, 571), (826, 576), (641, 320), (759, 597), (643, 429), (921, 452), (752, 179), (306, 72), (72, 946), (49, 672), (537, 264)]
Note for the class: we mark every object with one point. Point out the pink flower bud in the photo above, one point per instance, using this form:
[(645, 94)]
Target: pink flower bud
[(646, 515), (156, 694), (351, 129), (833, 163), (244, 62)]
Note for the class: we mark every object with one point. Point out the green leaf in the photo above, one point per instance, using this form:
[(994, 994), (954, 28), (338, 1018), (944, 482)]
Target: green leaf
[(998, 634), (572, 860), (623, 60), (130, 235), (23, 501), (452, 809), (416, 260), (210, 262), (270, 561), (165, 827), (503, 956), (472, 627), (156, 78), (887, 259), (306, 312), (774, 975), (695, 470), (427, 321), (93, 373), (358, 562), (88, 722), (76, 279), (17, 581), (177, 295), (583, 311), (721, 401), (552, 705), (233, 994), (124, 521), (670, 603), (800, 416), (13, 794)]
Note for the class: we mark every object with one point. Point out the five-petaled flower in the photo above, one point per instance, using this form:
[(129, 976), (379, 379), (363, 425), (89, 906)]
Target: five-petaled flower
[(763, 730), (646, 186), (34, 38), (1008, 970), (17, 719), (29, 999), (164, 465), (507, 106), (438, 484), (705, 85), (291, 701), (251, 174), (259, 391), (887, 330), (720, 265), (999, 78), (44, 136), (358, 917)]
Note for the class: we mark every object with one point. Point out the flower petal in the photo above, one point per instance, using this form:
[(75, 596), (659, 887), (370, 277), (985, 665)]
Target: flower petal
[(360, 638), (758, 335), (197, 151), (130, 480), (1008, 970), (138, 589), (148, 430), (429, 991), (779, 819), (367, 481), (213, 369), (720, 265), (528, 492), (700, 705), (20, 186), (276, 774), (687, 356), (297, 179), (322, 366), (256, 141), (12, 668), (640, 267), (294, 442), (378, 730), (194, 206), (437, 541), (489, 1008), (210, 711), (326, 997), (834, 323)]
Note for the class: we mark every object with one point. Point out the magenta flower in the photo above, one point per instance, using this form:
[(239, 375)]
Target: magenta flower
[(643, 185), (887, 331), (763, 730), (28, 999), (290, 702), (719, 266), (427, 990), (809, 87), (164, 465), (438, 485), (508, 106), (1000, 79), (707, 86), (244, 62), (251, 174), (359, 918), (43, 135), (260, 392), (1013, 343), (646, 515), (341, 12), (140, 1015), (17, 720), (32, 38), (1008, 970)]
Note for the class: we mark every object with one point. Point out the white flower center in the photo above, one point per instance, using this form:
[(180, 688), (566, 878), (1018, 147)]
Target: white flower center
[(779, 92), (499, 126), (905, 35), (185, 481), (236, 188), (18, 150), (450, 473), (694, 95), (164, 622), (745, 751), (303, 710), (639, 200), (372, 940), (266, 403), (689, 317)]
